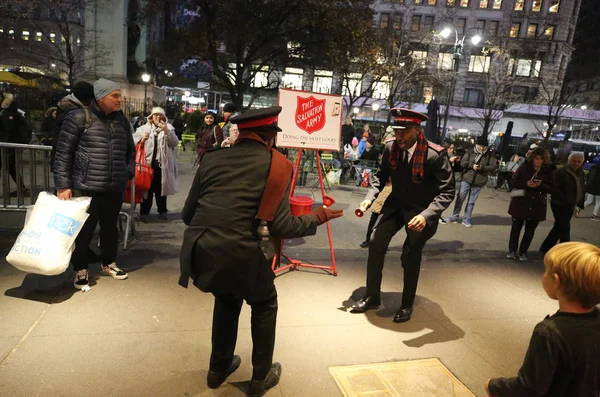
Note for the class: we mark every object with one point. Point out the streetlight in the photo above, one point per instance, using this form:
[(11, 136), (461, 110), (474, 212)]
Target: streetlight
[(355, 110), (583, 107), (146, 80), (375, 106), (456, 55)]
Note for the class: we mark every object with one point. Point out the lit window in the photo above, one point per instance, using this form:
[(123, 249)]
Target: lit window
[(515, 30), (25, 35), (511, 67), (52, 37), (384, 21), (492, 28), (416, 23), (353, 84), (554, 5), (497, 4), (231, 72), (261, 78), (322, 81), (381, 89), (294, 50), (524, 67), (418, 1), (419, 55), (293, 78), (519, 5), (537, 68), (444, 61), (397, 21), (1, 29), (428, 23), (483, 3), (432, 2), (479, 64), (63, 39), (464, 3), (536, 6), (451, 3), (549, 32), (532, 30), (38, 36)]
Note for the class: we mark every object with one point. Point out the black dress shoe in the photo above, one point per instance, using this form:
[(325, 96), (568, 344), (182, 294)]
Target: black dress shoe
[(367, 302), (216, 379), (403, 314), (260, 387)]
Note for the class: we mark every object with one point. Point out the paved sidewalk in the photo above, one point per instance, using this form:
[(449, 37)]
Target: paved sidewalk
[(147, 336)]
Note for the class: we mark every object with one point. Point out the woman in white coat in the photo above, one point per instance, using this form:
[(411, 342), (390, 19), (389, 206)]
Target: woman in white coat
[(160, 143)]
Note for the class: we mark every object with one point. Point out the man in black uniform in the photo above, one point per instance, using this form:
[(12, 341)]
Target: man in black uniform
[(221, 250), (423, 188)]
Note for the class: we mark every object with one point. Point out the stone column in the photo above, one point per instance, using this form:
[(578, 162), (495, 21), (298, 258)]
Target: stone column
[(106, 47)]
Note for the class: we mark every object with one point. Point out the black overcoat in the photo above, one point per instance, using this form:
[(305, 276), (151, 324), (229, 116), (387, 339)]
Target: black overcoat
[(220, 250), (532, 206), (429, 198)]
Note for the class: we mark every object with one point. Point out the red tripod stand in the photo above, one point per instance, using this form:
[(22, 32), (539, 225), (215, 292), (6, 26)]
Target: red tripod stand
[(294, 264)]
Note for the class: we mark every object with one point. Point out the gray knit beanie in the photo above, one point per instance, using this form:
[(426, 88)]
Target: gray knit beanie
[(103, 87)]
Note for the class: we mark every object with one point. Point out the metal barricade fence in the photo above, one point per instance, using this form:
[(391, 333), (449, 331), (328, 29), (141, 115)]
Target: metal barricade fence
[(24, 165), (31, 163)]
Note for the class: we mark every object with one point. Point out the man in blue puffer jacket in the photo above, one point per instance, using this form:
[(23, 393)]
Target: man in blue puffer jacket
[(95, 157)]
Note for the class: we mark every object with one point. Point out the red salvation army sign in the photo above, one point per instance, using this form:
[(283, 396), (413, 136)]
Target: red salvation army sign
[(310, 114), (309, 120)]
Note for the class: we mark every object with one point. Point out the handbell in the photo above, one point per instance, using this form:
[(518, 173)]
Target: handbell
[(360, 212), (328, 201)]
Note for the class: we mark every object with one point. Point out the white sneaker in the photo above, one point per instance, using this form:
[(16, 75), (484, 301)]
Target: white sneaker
[(81, 279), (113, 271)]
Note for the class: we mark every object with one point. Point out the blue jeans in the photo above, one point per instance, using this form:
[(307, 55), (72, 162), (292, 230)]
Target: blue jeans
[(473, 192)]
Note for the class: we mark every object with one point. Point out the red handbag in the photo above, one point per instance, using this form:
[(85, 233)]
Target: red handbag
[(143, 174)]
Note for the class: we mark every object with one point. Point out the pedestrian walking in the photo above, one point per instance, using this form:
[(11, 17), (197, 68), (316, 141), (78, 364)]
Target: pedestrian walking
[(531, 183), (567, 197), (95, 157), (160, 144), (477, 165), (233, 213), (13, 129), (593, 192), (423, 186)]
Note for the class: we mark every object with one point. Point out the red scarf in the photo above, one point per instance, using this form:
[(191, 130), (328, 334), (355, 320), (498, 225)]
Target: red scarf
[(418, 166)]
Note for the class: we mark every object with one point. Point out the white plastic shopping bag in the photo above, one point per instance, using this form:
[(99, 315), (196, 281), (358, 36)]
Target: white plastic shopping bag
[(48, 239)]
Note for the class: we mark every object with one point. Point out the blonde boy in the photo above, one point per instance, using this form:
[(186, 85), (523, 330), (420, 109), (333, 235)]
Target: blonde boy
[(563, 358)]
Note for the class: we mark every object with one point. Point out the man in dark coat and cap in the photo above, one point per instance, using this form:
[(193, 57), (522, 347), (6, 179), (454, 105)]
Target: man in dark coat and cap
[(423, 183), (239, 196), (228, 110)]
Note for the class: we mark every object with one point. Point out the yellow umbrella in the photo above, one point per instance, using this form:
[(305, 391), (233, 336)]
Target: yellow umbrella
[(11, 78)]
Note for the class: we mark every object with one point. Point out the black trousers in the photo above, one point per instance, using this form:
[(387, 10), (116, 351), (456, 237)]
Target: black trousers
[(104, 209), (562, 226), (371, 225), (412, 252), (225, 328), (12, 163), (156, 190), (515, 233)]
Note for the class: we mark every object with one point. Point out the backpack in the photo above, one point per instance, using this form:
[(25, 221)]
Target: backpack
[(86, 127)]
